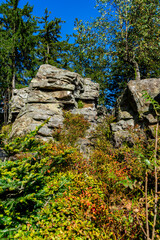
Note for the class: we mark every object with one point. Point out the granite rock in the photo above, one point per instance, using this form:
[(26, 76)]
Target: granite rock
[(52, 91), (133, 110)]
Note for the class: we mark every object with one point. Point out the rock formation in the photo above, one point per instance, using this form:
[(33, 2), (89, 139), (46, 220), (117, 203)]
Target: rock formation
[(54, 90), (133, 110), (49, 93), (17, 102)]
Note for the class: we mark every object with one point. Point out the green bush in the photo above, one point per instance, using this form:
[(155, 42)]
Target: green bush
[(24, 179), (80, 104), (74, 127), (49, 191)]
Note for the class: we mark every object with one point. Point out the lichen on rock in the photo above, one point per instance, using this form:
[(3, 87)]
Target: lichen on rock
[(52, 91), (132, 109)]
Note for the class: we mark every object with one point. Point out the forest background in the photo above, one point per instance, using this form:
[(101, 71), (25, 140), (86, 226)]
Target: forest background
[(49, 190), (119, 44)]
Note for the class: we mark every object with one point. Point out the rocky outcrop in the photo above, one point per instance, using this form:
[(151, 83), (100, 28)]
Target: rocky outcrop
[(17, 102), (133, 110), (49, 93), (54, 90)]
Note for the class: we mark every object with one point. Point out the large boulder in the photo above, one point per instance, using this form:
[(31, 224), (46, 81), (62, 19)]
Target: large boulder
[(49, 93), (133, 110)]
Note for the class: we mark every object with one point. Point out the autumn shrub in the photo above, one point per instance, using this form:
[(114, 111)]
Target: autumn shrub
[(102, 135), (123, 171), (71, 216), (80, 213), (50, 191), (74, 127), (123, 166)]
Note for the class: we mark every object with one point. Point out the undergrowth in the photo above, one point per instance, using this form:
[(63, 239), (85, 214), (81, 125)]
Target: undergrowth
[(74, 127), (49, 191)]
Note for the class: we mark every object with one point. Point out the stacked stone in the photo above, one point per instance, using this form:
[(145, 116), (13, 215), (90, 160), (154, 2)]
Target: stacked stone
[(49, 93), (133, 110)]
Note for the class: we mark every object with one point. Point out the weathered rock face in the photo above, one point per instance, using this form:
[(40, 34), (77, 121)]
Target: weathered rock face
[(54, 90), (49, 93), (18, 101), (132, 109)]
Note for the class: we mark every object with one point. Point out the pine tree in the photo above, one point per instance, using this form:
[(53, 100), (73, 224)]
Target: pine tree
[(17, 28), (17, 32), (50, 49)]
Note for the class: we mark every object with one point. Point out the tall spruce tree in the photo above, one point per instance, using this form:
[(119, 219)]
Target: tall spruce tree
[(50, 49), (17, 34), (17, 28)]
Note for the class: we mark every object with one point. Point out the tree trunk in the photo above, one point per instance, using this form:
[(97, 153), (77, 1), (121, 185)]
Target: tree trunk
[(14, 52), (5, 108), (9, 110), (13, 80), (137, 72), (156, 181), (136, 68), (47, 53), (146, 200)]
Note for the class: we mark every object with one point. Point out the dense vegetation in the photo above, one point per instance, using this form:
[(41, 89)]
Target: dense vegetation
[(50, 191)]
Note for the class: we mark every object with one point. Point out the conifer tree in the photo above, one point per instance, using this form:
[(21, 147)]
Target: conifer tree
[(17, 29), (17, 61), (50, 49)]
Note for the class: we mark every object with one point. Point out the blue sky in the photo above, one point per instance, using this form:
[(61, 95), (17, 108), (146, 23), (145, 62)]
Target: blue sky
[(67, 10)]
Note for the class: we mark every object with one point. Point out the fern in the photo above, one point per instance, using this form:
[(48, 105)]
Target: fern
[(154, 103)]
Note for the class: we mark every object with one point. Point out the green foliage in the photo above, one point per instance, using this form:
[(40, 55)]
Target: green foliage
[(25, 184), (5, 131), (26, 43), (80, 104), (50, 49), (18, 27), (23, 144), (121, 44), (49, 191), (88, 56), (154, 103), (74, 127), (131, 29)]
